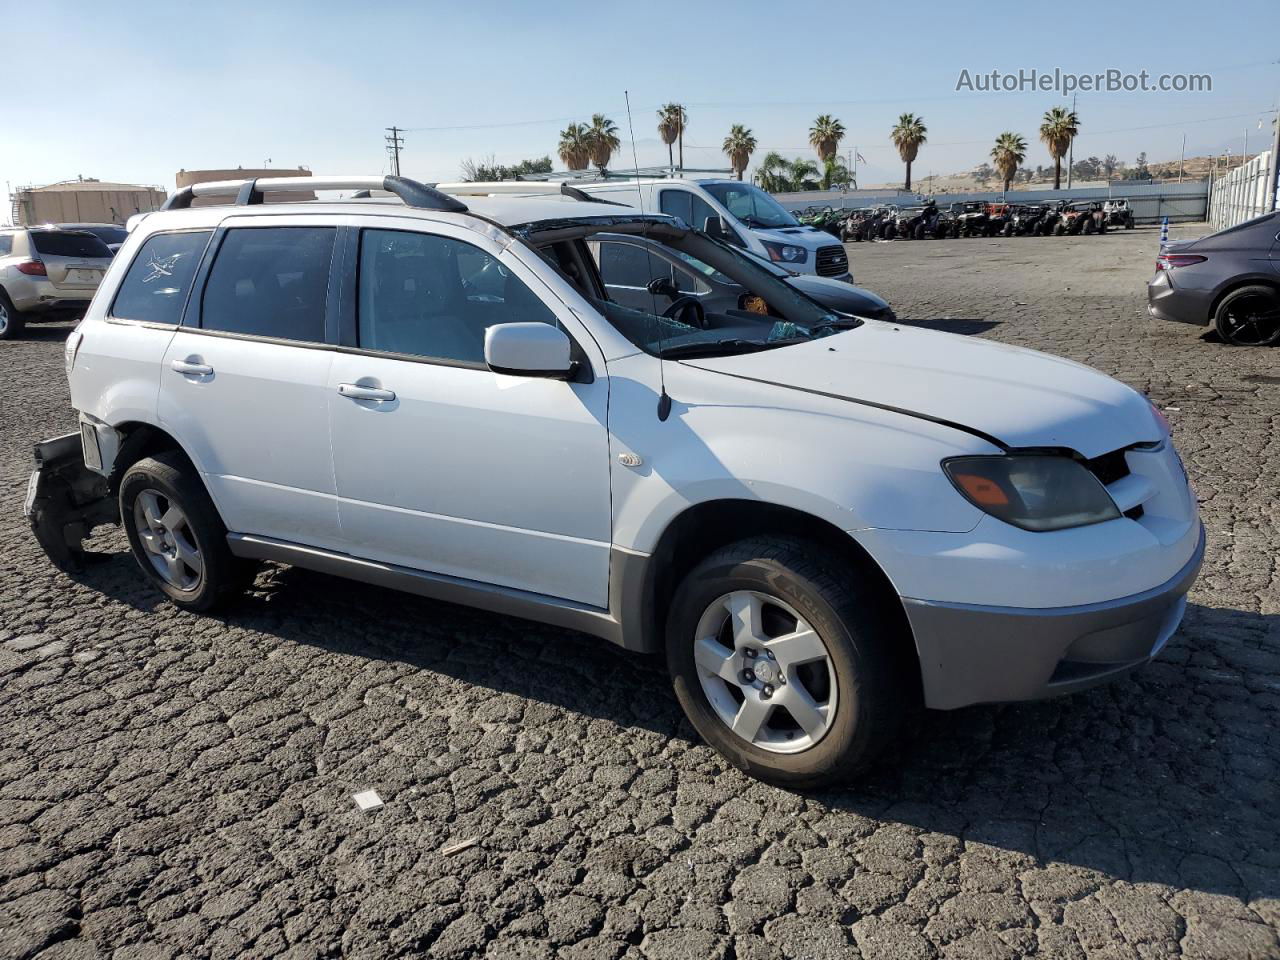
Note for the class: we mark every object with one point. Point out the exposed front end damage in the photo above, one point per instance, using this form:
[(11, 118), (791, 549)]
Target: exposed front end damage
[(66, 500)]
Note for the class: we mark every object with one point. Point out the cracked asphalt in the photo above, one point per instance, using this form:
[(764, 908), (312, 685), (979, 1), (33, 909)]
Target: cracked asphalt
[(174, 785)]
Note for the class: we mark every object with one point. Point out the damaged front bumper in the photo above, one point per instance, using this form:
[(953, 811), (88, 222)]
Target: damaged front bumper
[(66, 500)]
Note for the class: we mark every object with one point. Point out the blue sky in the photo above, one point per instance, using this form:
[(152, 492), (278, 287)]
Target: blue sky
[(133, 92)]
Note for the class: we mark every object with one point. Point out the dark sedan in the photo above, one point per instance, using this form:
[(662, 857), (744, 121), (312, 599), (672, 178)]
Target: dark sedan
[(1230, 279), (627, 264)]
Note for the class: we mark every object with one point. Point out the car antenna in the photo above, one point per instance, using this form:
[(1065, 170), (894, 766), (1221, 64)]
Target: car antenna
[(664, 401)]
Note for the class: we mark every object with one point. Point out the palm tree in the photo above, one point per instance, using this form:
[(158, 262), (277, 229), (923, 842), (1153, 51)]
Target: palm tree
[(776, 174), (738, 147), (602, 139), (574, 149), (908, 136), (1059, 128), (669, 127), (825, 136), (1008, 153)]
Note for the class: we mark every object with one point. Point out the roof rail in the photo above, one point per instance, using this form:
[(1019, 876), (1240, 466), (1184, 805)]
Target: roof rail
[(523, 188), (248, 192)]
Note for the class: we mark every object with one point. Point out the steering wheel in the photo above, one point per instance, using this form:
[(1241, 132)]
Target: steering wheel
[(681, 306)]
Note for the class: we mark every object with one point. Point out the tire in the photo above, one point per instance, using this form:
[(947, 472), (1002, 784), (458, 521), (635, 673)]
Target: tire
[(149, 491), (1059, 230), (890, 231), (919, 231), (12, 323), (1249, 317), (860, 675), (1128, 224), (1087, 229)]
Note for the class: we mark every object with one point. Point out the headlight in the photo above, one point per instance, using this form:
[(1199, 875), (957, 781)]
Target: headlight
[(784, 252), (1032, 491)]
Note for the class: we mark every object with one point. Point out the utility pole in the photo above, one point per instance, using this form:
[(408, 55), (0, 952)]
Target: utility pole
[(394, 143), (1071, 148), (1182, 156)]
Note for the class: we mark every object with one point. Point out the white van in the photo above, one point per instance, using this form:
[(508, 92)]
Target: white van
[(738, 212)]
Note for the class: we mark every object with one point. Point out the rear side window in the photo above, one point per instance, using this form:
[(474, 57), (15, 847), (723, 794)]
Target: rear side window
[(6, 245), (51, 243), (156, 286), (270, 282)]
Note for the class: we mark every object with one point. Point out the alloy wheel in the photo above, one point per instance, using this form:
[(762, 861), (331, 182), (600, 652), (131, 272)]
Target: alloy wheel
[(167, 539), (1253, 320), (766, 673), (4, 319)]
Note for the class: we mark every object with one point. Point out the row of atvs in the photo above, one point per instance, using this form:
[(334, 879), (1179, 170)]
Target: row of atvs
[(971, 218)]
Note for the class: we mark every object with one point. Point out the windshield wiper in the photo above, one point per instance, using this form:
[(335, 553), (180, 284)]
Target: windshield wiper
[(838, 323)]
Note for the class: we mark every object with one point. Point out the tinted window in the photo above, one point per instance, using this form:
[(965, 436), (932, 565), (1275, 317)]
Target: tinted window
[(109, 234), (51, 243), (626, 265), (431, 296), (270, 282), (6, 245), (689, 207), (155, 288)]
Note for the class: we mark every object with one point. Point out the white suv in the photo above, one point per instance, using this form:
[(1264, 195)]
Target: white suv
[(821, 519)]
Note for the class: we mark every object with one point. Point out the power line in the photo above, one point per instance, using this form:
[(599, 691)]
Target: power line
[(394, 143)]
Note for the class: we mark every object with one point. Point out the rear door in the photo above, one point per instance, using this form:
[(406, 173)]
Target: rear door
[(73, 261), (243, 381)]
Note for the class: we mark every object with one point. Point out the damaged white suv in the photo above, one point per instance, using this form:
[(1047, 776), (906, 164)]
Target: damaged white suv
[(821, 519)]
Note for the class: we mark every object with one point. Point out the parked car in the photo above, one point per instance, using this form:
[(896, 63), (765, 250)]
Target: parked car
[(47, 273), (1230, 279), (1079, 217), (970, 218), (112, 234), (1119, 213), (820, 519), (629, 265), (917, 223), (824, 218), (1051, 218), (999, 219), (738, 213)]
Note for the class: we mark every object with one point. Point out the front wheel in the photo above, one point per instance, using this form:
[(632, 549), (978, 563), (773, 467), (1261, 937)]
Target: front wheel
[(176, 534), (786, 662), (11, 321), (1249, 317)]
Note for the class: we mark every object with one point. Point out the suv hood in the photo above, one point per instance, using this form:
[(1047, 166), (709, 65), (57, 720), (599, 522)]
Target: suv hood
[(1020, 397)]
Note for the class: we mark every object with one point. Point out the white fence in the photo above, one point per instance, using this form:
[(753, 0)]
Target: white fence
[(1151, 201), (1242, 194)]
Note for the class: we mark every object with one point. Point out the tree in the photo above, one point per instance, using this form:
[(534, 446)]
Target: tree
[(738, 147), (825, 136), (1008, 153), (835, 173), (776, 174), (1109, 165), (488, 171), (672, 119), (1058, 129), (602, 139), (908, 135), (575, 149)]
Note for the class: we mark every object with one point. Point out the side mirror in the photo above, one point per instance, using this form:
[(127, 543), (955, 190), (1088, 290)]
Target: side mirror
[(528, 350), (662, 287), (716, 227)]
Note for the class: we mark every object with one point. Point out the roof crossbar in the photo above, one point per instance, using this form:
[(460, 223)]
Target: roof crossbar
[(247, 192)]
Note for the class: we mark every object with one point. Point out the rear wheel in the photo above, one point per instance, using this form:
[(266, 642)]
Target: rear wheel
[(176, 534), (1249, 317), (785, 663), (11, 321)]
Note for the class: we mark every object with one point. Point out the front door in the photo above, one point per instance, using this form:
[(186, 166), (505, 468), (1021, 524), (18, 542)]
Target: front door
[(443, 465)]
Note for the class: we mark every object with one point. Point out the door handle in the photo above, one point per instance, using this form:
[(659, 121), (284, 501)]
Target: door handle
[(357, 392), (190, 369)]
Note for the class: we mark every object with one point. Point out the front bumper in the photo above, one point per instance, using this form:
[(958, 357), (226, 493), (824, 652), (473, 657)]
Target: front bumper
[(982, 654)]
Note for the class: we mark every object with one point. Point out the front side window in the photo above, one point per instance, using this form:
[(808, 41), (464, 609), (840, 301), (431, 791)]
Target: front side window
[(434, 297), (627, 265), (270, 282), (155, 288), (6, 245)]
